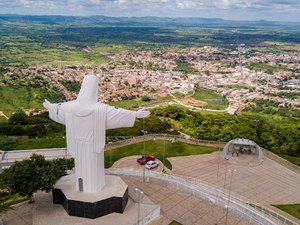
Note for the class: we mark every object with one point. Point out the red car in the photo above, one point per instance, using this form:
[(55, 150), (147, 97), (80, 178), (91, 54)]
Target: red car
[(144, 159)]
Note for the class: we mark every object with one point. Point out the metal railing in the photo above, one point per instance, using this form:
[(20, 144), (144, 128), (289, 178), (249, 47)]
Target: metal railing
[(126, 140), (50, 153), (236, 204)]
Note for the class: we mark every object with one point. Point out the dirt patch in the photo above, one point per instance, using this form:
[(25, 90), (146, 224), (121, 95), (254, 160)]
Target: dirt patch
[(193, 102), (2, 114)]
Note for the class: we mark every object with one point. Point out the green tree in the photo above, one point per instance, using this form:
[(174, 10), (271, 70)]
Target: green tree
[(19, 118), (155, 125), (293, 149), (29, 176), (38, 130), (174, 112), (145, 98)]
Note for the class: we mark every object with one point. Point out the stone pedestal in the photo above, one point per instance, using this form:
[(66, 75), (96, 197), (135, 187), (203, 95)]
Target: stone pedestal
[(112, 198)]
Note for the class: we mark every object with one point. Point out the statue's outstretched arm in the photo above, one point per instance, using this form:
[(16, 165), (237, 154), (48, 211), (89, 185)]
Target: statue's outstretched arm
[(117, 117), (56, 112), (142, 113)]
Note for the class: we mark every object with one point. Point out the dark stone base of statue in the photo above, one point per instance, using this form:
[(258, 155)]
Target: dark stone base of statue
[(112, 198)]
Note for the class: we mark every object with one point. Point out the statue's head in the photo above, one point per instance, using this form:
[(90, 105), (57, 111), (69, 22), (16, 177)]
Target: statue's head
[(88, 93)]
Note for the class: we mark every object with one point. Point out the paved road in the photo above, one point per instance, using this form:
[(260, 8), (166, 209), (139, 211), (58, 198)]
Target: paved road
[(9, 157), (4, 165)]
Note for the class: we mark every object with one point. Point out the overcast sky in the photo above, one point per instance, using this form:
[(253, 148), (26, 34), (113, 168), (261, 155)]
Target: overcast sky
[(276, 10)]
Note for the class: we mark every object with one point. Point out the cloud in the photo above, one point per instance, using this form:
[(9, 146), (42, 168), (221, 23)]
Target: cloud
[(186, 4), (46, 4), (180, 4), (235, 9)]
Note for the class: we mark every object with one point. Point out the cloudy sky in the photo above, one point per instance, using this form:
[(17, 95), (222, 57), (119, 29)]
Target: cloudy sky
[(276, 10)]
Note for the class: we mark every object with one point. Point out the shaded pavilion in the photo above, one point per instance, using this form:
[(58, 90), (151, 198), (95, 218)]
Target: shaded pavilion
[(241, 145)]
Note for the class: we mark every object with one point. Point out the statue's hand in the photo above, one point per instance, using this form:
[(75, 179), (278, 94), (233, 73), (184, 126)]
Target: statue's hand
[(142, 113), (46, 104)]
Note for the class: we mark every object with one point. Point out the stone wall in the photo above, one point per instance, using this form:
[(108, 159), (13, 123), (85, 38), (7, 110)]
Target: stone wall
[(281, 161)]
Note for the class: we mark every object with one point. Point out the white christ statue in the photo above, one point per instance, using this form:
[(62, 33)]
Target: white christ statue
[(86, 121)]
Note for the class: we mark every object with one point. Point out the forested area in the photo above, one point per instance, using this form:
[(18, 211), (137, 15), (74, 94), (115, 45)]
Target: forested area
[(28, 132), (279, 134), (270, 107)]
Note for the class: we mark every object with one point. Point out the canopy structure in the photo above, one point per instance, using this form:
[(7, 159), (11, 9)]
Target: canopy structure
[(244, 146)]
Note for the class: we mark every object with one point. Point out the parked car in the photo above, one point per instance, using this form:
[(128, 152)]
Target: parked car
[(144, 159), (151, 164)]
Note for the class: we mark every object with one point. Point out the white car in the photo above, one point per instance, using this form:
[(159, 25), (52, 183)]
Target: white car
[(151, 164)]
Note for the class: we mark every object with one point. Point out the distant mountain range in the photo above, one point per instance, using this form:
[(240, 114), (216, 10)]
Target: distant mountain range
[(158, 21)]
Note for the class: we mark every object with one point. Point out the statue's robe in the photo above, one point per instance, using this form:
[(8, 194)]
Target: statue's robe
[(85, 129)]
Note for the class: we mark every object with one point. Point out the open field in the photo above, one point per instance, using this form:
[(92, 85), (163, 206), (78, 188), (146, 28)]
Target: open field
[(238, 86), (267, 67), (283, 45), (135, 103), (213, 99)]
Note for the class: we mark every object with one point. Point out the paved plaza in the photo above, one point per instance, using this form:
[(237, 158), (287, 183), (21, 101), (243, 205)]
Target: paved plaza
[(20, 214), (264, 182), (176, 204), (267, 183)]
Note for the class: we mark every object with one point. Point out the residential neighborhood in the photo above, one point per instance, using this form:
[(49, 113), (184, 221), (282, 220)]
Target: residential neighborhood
[(241, 78)]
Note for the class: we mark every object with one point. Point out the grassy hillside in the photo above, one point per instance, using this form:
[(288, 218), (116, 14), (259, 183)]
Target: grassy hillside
[(12, 99), (213, 99)]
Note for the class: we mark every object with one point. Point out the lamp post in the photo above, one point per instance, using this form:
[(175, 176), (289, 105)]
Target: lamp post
[(225, 179), (109, 154), (144, 132), (228, 200), (139, 192), (219, 158), (255, 134), (164, 152), (66, 155)]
